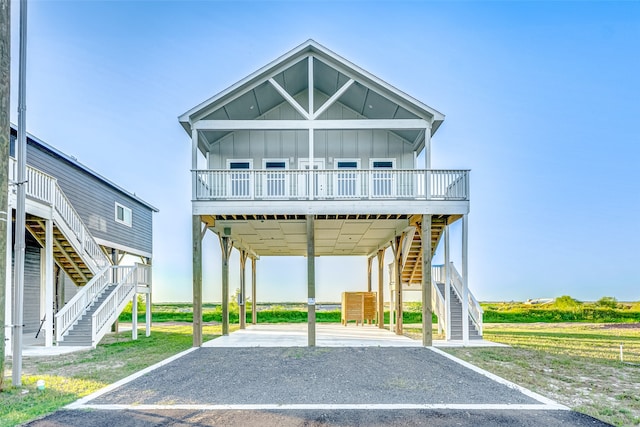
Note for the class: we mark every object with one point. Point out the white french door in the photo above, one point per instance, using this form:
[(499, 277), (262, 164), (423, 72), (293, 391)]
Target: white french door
[(319, 179)]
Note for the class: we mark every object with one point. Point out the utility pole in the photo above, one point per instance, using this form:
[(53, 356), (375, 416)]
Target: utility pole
[(5, 218), (21, 158)]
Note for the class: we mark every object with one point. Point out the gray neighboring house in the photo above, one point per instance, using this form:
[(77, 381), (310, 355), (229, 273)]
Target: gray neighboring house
[(89, 248)]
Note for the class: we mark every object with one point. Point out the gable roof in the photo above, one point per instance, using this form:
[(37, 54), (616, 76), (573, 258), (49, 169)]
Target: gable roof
[(291, 73)]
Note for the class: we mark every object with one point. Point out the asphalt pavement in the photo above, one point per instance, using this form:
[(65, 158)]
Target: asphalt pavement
[(231, 385)]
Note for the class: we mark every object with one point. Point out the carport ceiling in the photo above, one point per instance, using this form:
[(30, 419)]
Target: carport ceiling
[(332, 236)]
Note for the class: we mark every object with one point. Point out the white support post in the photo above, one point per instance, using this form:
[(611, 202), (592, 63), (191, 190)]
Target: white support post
[(48, 284), (465, 280), (311, 132), (427, 163), (447, 283), (254, 300), (311, 166), (194, 163), (310, 83), (147, 316), (134, 316)]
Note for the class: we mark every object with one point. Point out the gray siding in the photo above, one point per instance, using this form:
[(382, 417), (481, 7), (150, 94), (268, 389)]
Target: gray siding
[(31, 295), (94, 200)]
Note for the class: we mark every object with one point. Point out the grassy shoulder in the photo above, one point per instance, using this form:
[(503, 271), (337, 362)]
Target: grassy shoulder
[(72, 376), (577, 365)]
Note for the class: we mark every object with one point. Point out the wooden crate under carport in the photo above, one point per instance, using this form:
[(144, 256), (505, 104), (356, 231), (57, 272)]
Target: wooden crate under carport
[(358, 306)]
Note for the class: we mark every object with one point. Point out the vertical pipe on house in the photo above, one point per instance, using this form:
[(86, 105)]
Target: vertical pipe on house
[(465, 279), (20, 205), (447, 283), (427, 321), (254, 308), (311, 281), (381, 288), (196, 236), (48, 284)]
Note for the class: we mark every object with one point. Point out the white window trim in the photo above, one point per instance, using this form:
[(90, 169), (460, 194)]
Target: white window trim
[(337, 161), (250, 161), (285, 161), (393, 163), (125, 209)]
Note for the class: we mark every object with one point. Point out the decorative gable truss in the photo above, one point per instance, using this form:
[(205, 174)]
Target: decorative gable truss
[(342, 96)]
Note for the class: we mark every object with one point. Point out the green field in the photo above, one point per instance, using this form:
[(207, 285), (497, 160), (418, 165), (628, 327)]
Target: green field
[(565, 309)]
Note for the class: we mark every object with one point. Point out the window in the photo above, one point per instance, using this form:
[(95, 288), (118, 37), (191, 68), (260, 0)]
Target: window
[(347, 178), (239, 184), (124, 215), (382, 179)]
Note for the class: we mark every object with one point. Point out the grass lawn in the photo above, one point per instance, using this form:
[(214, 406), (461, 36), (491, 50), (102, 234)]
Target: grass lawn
[(577, 365), (72, 376)]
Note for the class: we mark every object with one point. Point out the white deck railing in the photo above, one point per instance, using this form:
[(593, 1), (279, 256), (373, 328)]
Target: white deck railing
[(110, 309), (331, 184), (475, 310), (75, 308)]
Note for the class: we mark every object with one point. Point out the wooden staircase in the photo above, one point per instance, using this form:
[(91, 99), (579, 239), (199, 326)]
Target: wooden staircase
[(63, 252), (412, 268)]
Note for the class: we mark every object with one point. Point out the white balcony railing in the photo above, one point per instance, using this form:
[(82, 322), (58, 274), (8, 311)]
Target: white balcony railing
[(331, 184)]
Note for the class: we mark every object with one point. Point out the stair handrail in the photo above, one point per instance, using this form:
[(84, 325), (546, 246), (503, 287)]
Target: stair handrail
[(71, 218), (475, 310), (104, 316), (45, 188), (75, 308), (438, 304)]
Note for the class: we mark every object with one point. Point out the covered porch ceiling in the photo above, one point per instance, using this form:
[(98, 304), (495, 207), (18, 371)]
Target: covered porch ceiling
[(286, 235)]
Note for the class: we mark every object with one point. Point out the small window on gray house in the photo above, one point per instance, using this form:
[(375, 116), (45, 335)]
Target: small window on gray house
[(124, 215)]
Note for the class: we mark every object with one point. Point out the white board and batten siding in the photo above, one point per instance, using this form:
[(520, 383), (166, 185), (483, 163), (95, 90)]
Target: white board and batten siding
[(293, 145)]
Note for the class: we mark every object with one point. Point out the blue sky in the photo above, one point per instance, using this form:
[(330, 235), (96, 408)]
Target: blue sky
[(541, 103)]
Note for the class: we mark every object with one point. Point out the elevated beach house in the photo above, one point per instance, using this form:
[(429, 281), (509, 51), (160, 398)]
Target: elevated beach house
[(311, 155), (79, 228)]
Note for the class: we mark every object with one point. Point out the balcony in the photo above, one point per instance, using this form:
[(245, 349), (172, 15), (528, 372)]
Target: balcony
[(336, 184)]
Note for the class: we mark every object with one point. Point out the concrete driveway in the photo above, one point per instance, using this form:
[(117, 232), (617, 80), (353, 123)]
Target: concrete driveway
[(267, 382)]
